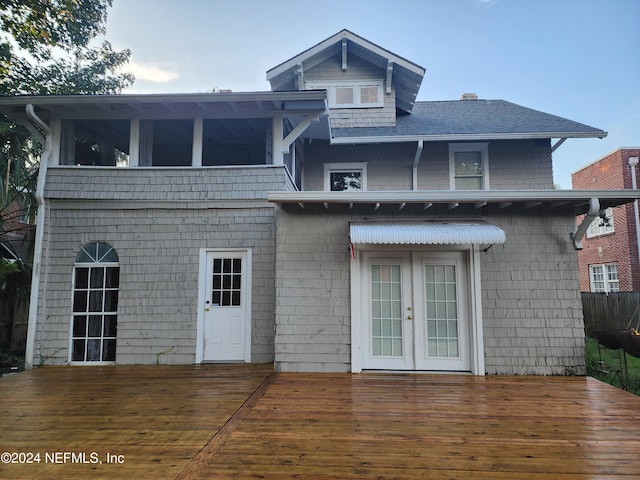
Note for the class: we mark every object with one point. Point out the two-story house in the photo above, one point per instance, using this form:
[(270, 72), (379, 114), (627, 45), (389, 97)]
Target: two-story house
[(610, 259), (330, 224)]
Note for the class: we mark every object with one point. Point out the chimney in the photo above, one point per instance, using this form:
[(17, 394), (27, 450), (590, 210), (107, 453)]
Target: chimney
[(469, 96)]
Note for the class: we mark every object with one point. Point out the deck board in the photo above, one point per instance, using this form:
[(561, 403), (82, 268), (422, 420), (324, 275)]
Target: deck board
[(244, 421)]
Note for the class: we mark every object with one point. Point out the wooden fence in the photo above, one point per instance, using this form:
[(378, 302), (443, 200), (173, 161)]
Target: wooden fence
[(613, 311)]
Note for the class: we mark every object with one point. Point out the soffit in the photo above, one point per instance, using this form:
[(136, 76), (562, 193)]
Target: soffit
[(504, 199)]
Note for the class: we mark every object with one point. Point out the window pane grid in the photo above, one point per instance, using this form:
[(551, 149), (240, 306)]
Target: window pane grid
[(95, 308), (226, 282), (604, 278), (468, 170), (601, 226), (386, 311), (442, 311)]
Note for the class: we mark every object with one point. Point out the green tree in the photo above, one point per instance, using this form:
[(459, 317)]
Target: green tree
[(47, 47)]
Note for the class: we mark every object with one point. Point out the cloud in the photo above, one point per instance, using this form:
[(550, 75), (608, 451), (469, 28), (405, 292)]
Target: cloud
[(150, 72), (487, 3)]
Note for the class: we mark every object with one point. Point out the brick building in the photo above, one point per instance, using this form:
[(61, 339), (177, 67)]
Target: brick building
[(609, 260)]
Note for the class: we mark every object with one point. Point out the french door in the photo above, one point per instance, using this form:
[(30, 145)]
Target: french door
[(416, 311)]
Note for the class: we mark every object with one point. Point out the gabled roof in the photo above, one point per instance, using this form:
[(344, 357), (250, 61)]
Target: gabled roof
[(406, 76), (469, 120)]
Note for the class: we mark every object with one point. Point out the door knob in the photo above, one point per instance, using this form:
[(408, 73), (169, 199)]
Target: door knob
[(409, 317)]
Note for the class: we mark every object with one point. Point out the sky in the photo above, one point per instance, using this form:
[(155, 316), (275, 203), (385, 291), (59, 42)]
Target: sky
[(578, 59)]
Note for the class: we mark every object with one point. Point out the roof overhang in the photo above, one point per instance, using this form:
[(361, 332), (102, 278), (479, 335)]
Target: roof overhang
[(579, 200), (174, 106), (404, 74), (346, 140), (424, 233)]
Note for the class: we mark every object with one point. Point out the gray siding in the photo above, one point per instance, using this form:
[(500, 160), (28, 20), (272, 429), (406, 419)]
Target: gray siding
[(330, 71), (512, 164), (388, 165), (313, 327), (158, 243), (157, 184), (531, 306), (532, 311)]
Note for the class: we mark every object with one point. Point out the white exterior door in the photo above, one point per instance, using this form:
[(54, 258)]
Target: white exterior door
[(441, 312), (225, 307), (416, 311)]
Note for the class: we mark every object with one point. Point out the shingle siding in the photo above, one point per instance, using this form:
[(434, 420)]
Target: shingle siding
[(158, 249), (156, 184), (512, 164), (330, 71), (532, 313), (531, 308)]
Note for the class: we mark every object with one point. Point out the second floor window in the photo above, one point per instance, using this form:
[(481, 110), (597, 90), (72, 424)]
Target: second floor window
[(468, 163), (604, 278), (601, 226), (356, 94), (345, 177)]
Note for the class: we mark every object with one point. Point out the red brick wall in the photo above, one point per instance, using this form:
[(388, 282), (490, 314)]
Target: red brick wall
[(611, 172)]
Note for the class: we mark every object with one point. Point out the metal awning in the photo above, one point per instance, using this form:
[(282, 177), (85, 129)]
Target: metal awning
[(425, 233)]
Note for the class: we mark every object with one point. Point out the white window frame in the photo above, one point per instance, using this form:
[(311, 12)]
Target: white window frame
[(101, 313), (483, 148), (596, 228), (330, 168), (356, 85), (609, 285)]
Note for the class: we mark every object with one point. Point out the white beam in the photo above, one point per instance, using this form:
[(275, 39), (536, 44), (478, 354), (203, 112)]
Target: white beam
[(196, 150), (344, 54), (298, 130), (389, 76), (300, 76), (134, 142)]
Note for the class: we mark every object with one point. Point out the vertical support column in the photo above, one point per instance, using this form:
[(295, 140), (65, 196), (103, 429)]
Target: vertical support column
[(134, 142), (196, 150), (278, 133)]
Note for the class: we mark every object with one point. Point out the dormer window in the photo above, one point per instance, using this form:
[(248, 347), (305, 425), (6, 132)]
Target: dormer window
[(352, 94)]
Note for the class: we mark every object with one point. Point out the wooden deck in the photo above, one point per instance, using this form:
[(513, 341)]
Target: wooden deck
[(243, 421)]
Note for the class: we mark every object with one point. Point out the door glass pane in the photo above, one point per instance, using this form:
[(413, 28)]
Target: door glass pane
[(442, 311), (226, 282), (386, 311)]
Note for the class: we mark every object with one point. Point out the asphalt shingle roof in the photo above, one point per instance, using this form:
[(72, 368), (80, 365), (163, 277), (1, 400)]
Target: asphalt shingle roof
[(474, 117)]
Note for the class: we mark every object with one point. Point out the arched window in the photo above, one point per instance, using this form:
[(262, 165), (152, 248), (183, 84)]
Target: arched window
[(96, 281)]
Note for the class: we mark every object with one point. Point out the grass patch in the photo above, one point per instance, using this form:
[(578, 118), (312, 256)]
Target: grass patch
[(608, 366)]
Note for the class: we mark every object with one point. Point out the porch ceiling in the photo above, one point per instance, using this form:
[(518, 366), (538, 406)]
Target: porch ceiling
[(578, 199)]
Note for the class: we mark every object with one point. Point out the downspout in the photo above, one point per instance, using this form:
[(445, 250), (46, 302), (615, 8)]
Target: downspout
[(39, 240), (633, 162), (416, 160), (594, 211)]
